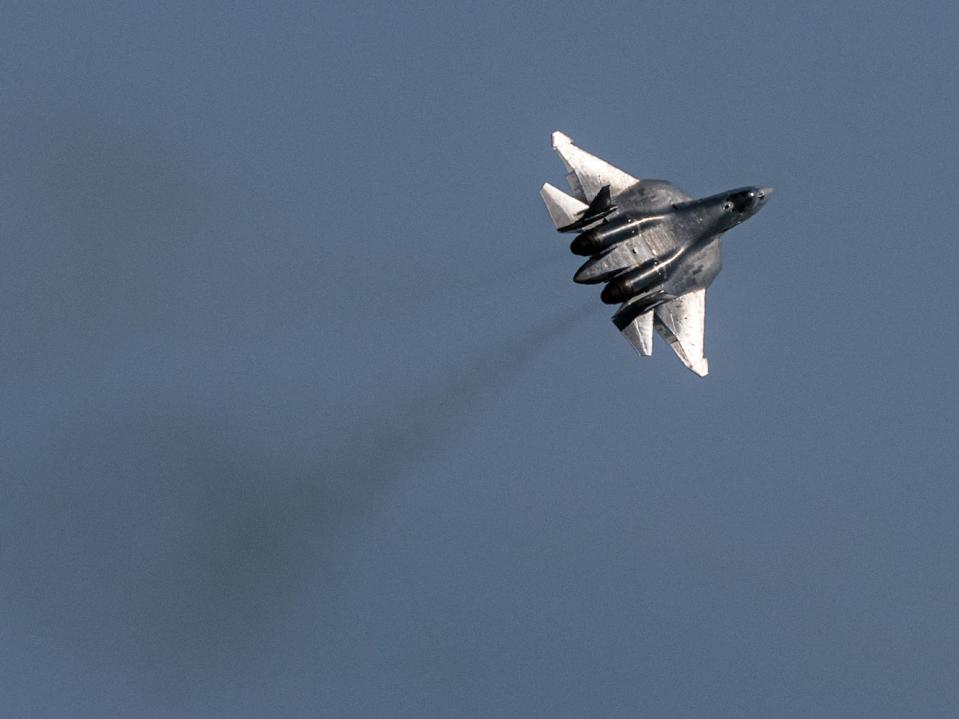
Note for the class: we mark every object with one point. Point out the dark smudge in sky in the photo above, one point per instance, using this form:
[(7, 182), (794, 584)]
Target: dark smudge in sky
[(206, 440), (260, 521), (205, 537)]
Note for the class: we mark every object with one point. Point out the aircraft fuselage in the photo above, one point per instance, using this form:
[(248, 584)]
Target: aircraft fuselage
[(663, 252)]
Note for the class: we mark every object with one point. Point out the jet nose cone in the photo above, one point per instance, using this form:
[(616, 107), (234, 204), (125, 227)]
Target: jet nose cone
[(766, 192)]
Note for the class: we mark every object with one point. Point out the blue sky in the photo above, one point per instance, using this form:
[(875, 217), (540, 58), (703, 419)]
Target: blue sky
[(302, 414)]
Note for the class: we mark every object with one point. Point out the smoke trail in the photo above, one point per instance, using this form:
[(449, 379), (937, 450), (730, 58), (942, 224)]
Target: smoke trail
[(167, 547), (401, 434), (260, 525)]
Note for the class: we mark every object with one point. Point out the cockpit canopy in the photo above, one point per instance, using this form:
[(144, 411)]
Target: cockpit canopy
[(744, 200)]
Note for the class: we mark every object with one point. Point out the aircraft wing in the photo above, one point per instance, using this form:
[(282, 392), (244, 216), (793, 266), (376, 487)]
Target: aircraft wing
[(682, 323), (587, 174)]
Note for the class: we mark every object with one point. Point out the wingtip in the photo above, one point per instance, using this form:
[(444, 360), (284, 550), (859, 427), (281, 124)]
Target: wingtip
[(560, 138)]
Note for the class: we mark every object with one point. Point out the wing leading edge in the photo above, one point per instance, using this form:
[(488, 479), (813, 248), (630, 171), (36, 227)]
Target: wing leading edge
[(587, 174)]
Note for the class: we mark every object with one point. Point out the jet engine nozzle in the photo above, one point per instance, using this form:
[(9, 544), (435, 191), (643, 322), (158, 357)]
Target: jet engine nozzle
[(634, 282), (597, 239), (584, 243)]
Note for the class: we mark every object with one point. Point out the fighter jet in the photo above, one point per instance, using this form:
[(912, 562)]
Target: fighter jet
[(654, 246)]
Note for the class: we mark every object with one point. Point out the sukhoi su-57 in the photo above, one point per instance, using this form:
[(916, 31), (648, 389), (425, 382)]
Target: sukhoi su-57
[(655, 248)]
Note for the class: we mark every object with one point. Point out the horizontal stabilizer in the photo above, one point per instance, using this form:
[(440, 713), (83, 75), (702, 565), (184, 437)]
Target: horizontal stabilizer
[(639, 332), (563, 209), (634, 319)]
